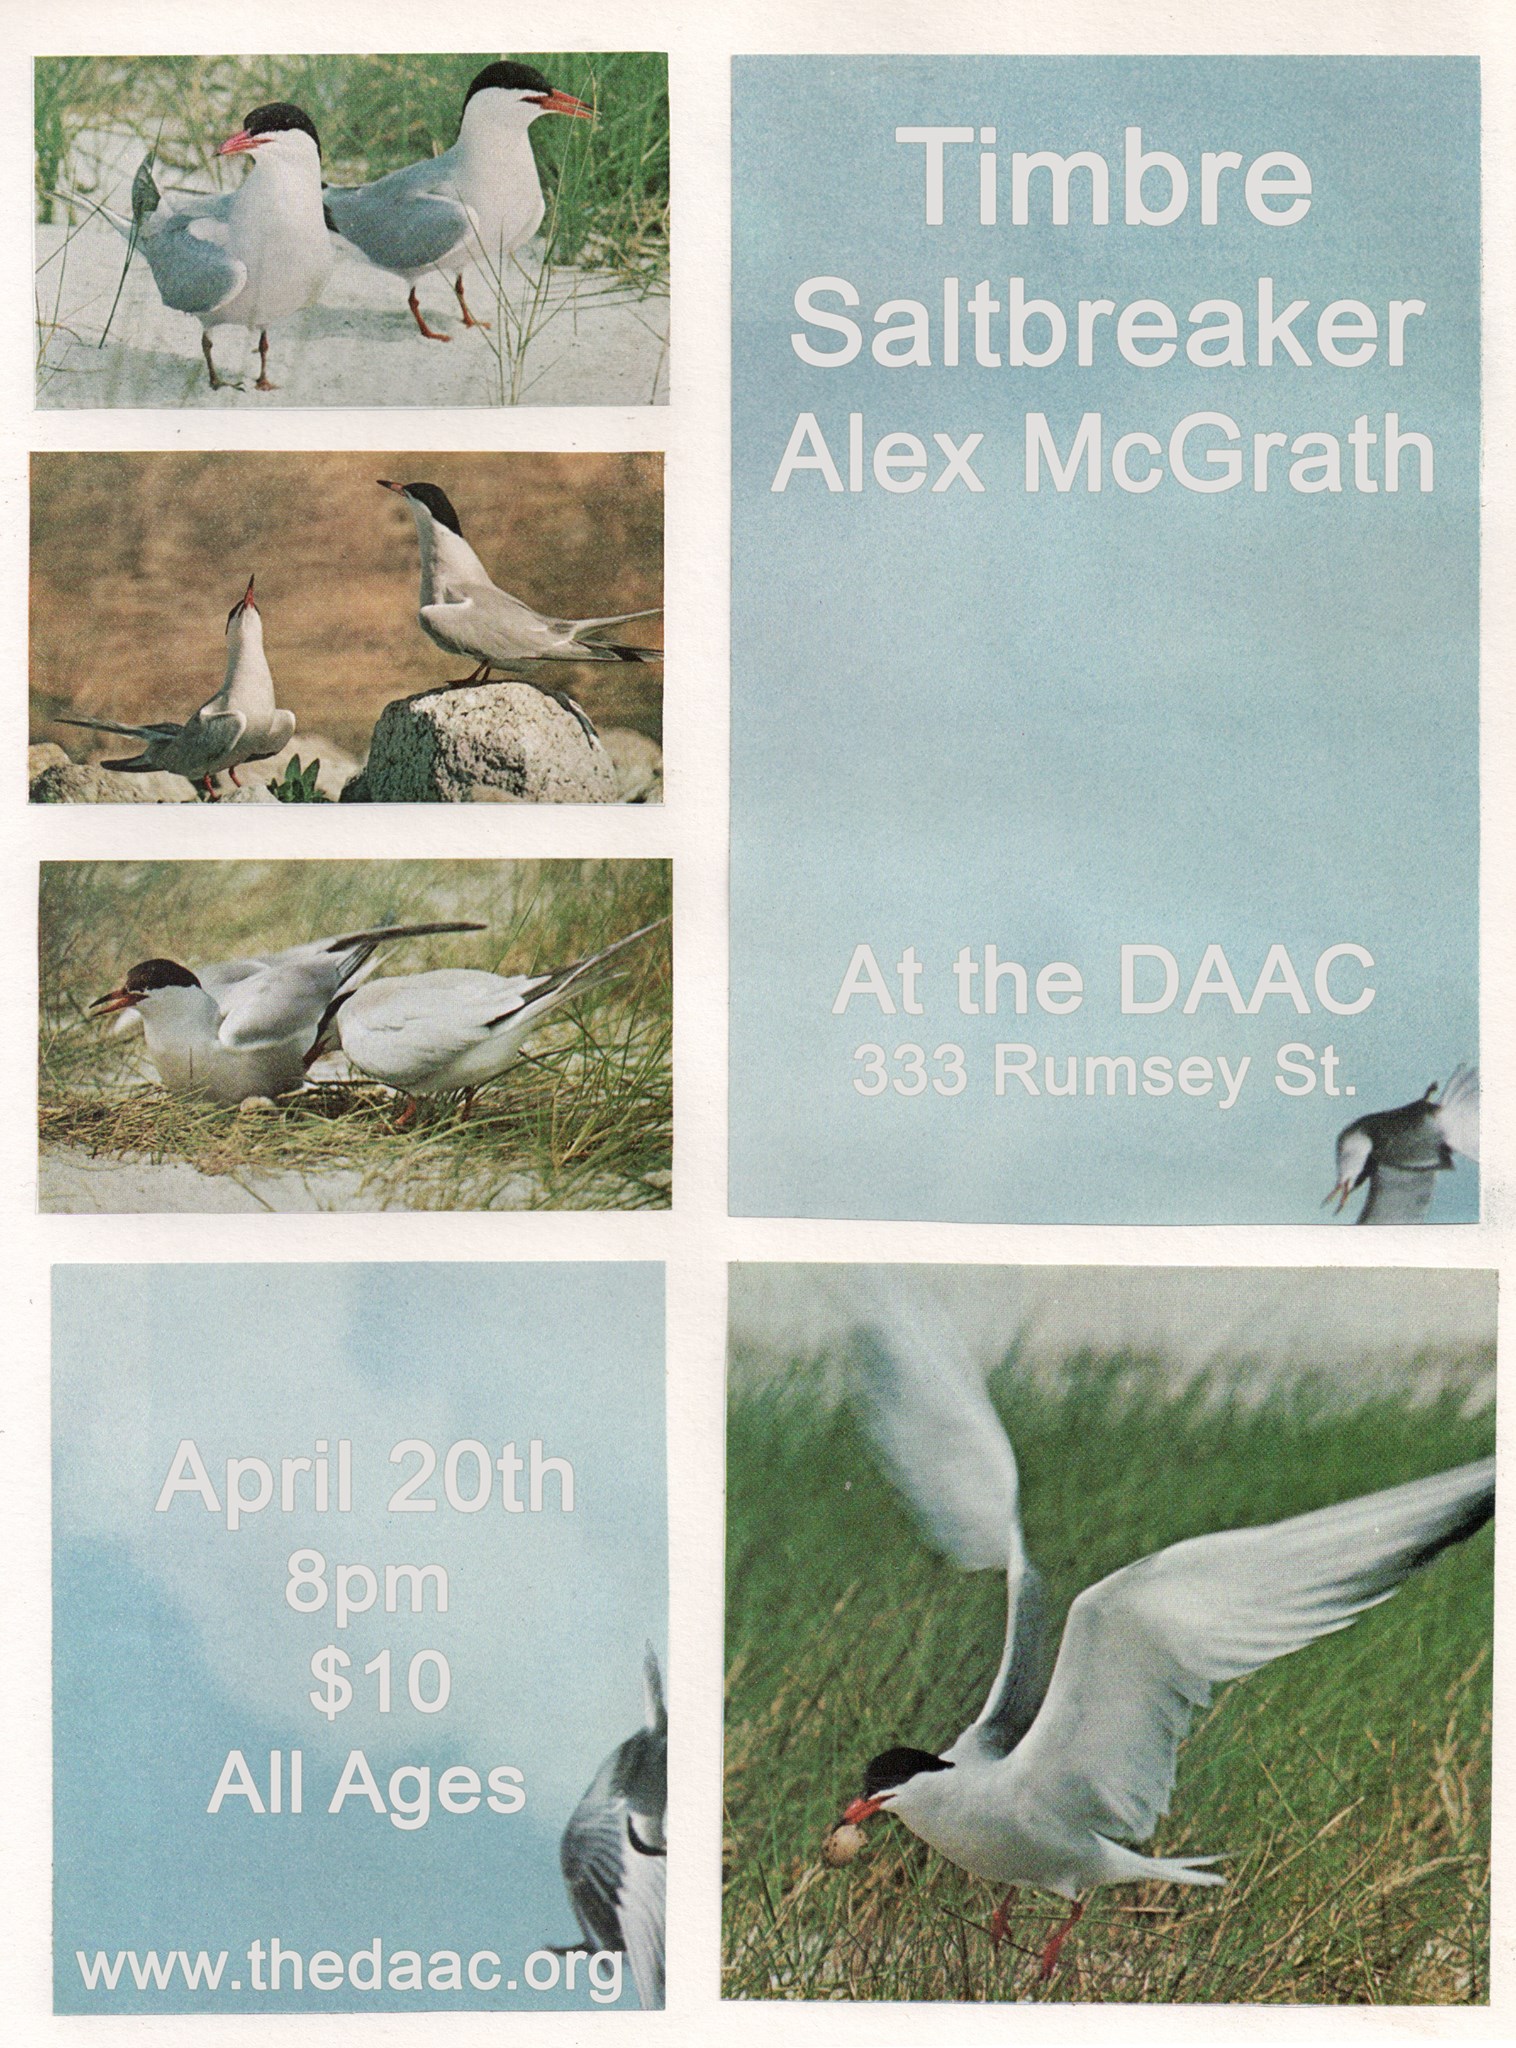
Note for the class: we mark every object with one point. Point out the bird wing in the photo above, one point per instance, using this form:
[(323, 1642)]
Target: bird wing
[(405, 1026), (640, 1909), (1398, 1194), (402, 222), (590, 1856), (931, 1420), (1458, 1112), (285, 1000), (1142, 1648), (192, 267), (215, 735), (500, 627)]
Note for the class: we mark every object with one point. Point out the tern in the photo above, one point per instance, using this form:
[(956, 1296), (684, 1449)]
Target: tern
[(242, 722), (1399, 1152), (245, 258), (614, 1852), (450, 1031), (463, 612), (247, 1027), (479, 200), (1059, 1776)]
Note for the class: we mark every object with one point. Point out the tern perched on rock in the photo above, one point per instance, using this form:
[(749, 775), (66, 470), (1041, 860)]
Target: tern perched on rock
[(240, 723), (479, 201), (245, 258), (463, 612), (247, 1027), (450, 1031), (1061, 1774), (1400, 1152), (615, 1853)]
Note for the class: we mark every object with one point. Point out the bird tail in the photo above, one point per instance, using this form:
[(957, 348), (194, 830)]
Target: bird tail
[(1126, 1866), (618, 651), (588, 973), (618, 619), (655, 1712), (127, 732)]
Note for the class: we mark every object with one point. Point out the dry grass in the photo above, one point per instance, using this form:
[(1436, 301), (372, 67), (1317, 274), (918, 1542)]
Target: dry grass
[(136, 560), (1347, 1786)]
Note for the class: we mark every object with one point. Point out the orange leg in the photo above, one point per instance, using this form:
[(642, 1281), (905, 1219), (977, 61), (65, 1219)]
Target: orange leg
[(408, 1114), (468, 1104), (233, 774), (468, 318), (420, 319), (1057, 1939), (263, 384), (218, 382)]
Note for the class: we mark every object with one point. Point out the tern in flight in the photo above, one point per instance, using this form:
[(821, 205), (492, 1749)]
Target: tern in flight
[(463, 612), (450, 1031), (242, 722), (1060, 1776), (479, 201), (1400, 1152), (245, 258), (614, 1851), (247, 1027)]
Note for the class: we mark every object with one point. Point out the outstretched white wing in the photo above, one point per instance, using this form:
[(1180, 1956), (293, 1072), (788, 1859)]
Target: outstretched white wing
[(1458, 1112), (1142, 1649), (925, 1406)]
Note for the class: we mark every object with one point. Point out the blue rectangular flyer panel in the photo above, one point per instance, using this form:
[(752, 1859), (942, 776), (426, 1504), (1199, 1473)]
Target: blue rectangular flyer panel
[(359, 1616), (1105, 639)]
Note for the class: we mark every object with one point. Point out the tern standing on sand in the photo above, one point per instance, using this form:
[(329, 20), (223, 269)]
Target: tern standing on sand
[(477, 202), (240, 723), (464, 613), (246, 258)]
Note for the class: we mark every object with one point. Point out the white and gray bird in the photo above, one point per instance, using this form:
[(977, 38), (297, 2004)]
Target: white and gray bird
[(462, 611), (451, 1030), (477, 202), (238, 1028), (242, 722), (1400, 1152), (614, 1852), (1060, 1775), (246, 258)]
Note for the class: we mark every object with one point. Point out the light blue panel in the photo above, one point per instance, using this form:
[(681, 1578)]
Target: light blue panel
[(1056, 723), (174, 1642)]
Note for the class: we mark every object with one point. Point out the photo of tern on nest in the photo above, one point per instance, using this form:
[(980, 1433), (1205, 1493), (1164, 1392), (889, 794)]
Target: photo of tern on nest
[(437, 229), (241, 1036)]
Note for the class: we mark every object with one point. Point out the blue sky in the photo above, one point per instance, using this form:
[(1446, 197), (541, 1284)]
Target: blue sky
[(174, 1642), (1060, 723)]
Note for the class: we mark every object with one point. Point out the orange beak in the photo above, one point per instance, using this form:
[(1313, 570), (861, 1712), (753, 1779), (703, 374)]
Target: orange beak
[(565, 103), (118, 999), (234, 145), (861, 1810)]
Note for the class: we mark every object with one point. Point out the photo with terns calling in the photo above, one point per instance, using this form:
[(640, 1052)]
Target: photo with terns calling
[(308, 628), (1109, 1634), (429, 229), (243, 1036)]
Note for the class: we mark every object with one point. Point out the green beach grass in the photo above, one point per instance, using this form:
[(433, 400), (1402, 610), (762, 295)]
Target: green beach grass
[(584, 1122), (1347, 1786)]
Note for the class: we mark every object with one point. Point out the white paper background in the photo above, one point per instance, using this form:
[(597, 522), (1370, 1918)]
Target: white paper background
[(696, 1239)]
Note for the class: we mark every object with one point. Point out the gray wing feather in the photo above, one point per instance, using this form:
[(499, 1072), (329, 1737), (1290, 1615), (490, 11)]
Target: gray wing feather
[(590, 1857), (192, 270), (402, 222)]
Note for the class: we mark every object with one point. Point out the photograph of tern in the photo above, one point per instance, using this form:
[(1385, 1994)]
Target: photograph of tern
[(429, 229), (1109, 1634), (241, 1036), (397, 627)]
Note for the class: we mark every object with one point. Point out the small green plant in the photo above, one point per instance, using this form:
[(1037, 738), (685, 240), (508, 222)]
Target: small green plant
[(297, 785)]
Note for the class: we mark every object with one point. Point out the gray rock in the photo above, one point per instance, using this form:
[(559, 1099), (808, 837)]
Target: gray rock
[(638, 762), (75, 782), (506, 739), (53, 777)]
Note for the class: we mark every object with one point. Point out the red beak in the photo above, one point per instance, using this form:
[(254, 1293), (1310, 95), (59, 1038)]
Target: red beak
[(249, 600), (235, 144), (862, 1810), (565, 103), (118, 999)]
